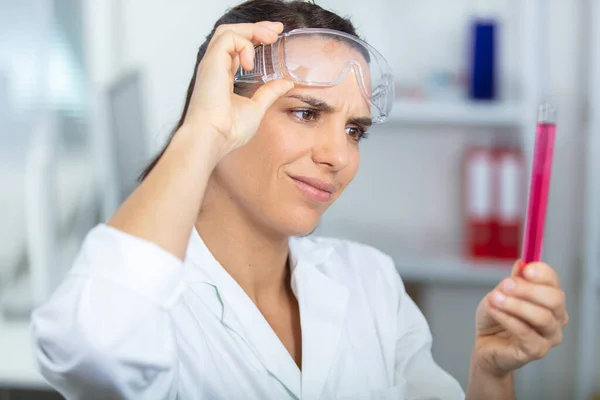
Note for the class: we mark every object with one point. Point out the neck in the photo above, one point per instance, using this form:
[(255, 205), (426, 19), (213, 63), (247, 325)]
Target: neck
[(254, 256)]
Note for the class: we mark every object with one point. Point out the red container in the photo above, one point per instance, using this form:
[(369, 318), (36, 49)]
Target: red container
[(478, 176), (509, 196)]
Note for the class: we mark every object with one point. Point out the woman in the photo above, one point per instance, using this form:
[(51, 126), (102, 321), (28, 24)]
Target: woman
[(202, 286)]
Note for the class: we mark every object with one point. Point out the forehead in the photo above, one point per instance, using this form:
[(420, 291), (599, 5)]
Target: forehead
[(321, 57), (344, 98), (318, 58), (326, 44)]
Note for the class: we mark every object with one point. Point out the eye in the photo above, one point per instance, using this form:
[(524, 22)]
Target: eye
[(305, 115), (356, 133)]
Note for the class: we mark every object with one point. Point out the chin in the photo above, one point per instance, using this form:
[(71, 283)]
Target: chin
[(300, 222)]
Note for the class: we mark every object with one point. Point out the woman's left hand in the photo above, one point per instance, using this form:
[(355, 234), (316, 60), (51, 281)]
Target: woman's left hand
[(520, 320)]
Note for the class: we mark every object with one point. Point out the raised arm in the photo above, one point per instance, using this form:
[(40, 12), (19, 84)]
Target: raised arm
[(107, 331)]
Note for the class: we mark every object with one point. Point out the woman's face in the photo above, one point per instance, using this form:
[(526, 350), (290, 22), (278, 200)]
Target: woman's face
[(304, 154)]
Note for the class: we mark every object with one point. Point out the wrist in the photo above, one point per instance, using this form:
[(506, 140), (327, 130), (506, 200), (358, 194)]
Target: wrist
[(486, 382), (484, 368), (204, 142)]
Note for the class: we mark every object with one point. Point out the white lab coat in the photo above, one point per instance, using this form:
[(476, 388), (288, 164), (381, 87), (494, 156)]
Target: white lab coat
[(132, 321)]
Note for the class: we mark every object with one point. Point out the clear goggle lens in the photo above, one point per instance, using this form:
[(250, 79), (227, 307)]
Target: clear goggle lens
[(323, 58)]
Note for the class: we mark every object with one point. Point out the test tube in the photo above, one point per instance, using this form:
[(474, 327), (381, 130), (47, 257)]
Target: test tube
[(539, 184)]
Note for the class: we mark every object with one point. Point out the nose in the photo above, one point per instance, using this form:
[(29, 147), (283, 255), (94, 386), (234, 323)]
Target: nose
[(331, 148)]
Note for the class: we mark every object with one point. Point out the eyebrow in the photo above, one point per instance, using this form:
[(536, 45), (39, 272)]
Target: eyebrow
[(322, 106), (314, 102), (364, 122)]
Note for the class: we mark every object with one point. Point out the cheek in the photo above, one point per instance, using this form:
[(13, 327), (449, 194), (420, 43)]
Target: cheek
[(254, 167), (347, 175), (278, 141)]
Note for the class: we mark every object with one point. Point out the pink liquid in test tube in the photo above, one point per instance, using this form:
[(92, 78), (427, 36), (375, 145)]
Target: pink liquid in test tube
[(539, 184)]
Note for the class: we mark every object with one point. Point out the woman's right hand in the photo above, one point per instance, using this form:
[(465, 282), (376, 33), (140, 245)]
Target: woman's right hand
[(214, 105), (164, 208)]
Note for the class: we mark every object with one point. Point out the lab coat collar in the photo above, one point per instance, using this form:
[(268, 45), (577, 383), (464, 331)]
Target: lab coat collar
[(322, 302), (323, 307), (311, 250), (238, 313)]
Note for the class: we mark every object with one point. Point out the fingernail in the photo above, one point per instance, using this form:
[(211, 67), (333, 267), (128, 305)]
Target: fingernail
[(499, 298), (530, 271), (509, 284)]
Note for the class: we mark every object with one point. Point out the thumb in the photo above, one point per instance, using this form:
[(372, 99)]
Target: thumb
[(268, 93), (518, 268)]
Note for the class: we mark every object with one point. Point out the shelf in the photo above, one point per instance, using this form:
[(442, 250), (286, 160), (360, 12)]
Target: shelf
[(452, 270), (18, 366), (17, 363), (425, 258), (462, 113)]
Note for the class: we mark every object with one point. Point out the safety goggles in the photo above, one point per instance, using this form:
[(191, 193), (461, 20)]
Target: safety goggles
[(323, 58)]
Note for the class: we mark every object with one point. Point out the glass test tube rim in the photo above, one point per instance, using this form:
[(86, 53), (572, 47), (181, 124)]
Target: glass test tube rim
[(546, 114)]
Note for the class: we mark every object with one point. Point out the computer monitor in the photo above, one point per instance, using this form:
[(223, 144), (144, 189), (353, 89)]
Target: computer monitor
[(127, 131)]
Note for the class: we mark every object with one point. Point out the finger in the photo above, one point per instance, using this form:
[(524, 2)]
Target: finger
[(261, 32), (517, 267), (235, 64), (226, 47), (248, 29), (548, 297), (268, 93), (539, 318), (529, 341), (542, 273), (273, 25)]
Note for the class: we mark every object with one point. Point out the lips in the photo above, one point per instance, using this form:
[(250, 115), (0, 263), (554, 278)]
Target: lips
[(316, 189), (324, 186)]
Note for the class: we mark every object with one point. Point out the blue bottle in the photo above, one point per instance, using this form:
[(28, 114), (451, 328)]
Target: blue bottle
[(483, 60)]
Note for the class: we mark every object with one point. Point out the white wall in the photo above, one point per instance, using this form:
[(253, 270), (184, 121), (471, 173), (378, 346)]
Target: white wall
[(162, 39), (563, 247)]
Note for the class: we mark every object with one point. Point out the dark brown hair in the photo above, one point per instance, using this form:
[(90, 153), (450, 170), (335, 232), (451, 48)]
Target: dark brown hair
[(293, 15)]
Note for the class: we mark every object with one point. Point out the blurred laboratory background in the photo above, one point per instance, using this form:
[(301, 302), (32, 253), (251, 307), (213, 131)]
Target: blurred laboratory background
[(89, 90)]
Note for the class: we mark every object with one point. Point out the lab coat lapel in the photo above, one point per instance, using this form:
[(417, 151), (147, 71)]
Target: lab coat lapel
[(323, 307), (241, 315), (244, 318)]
